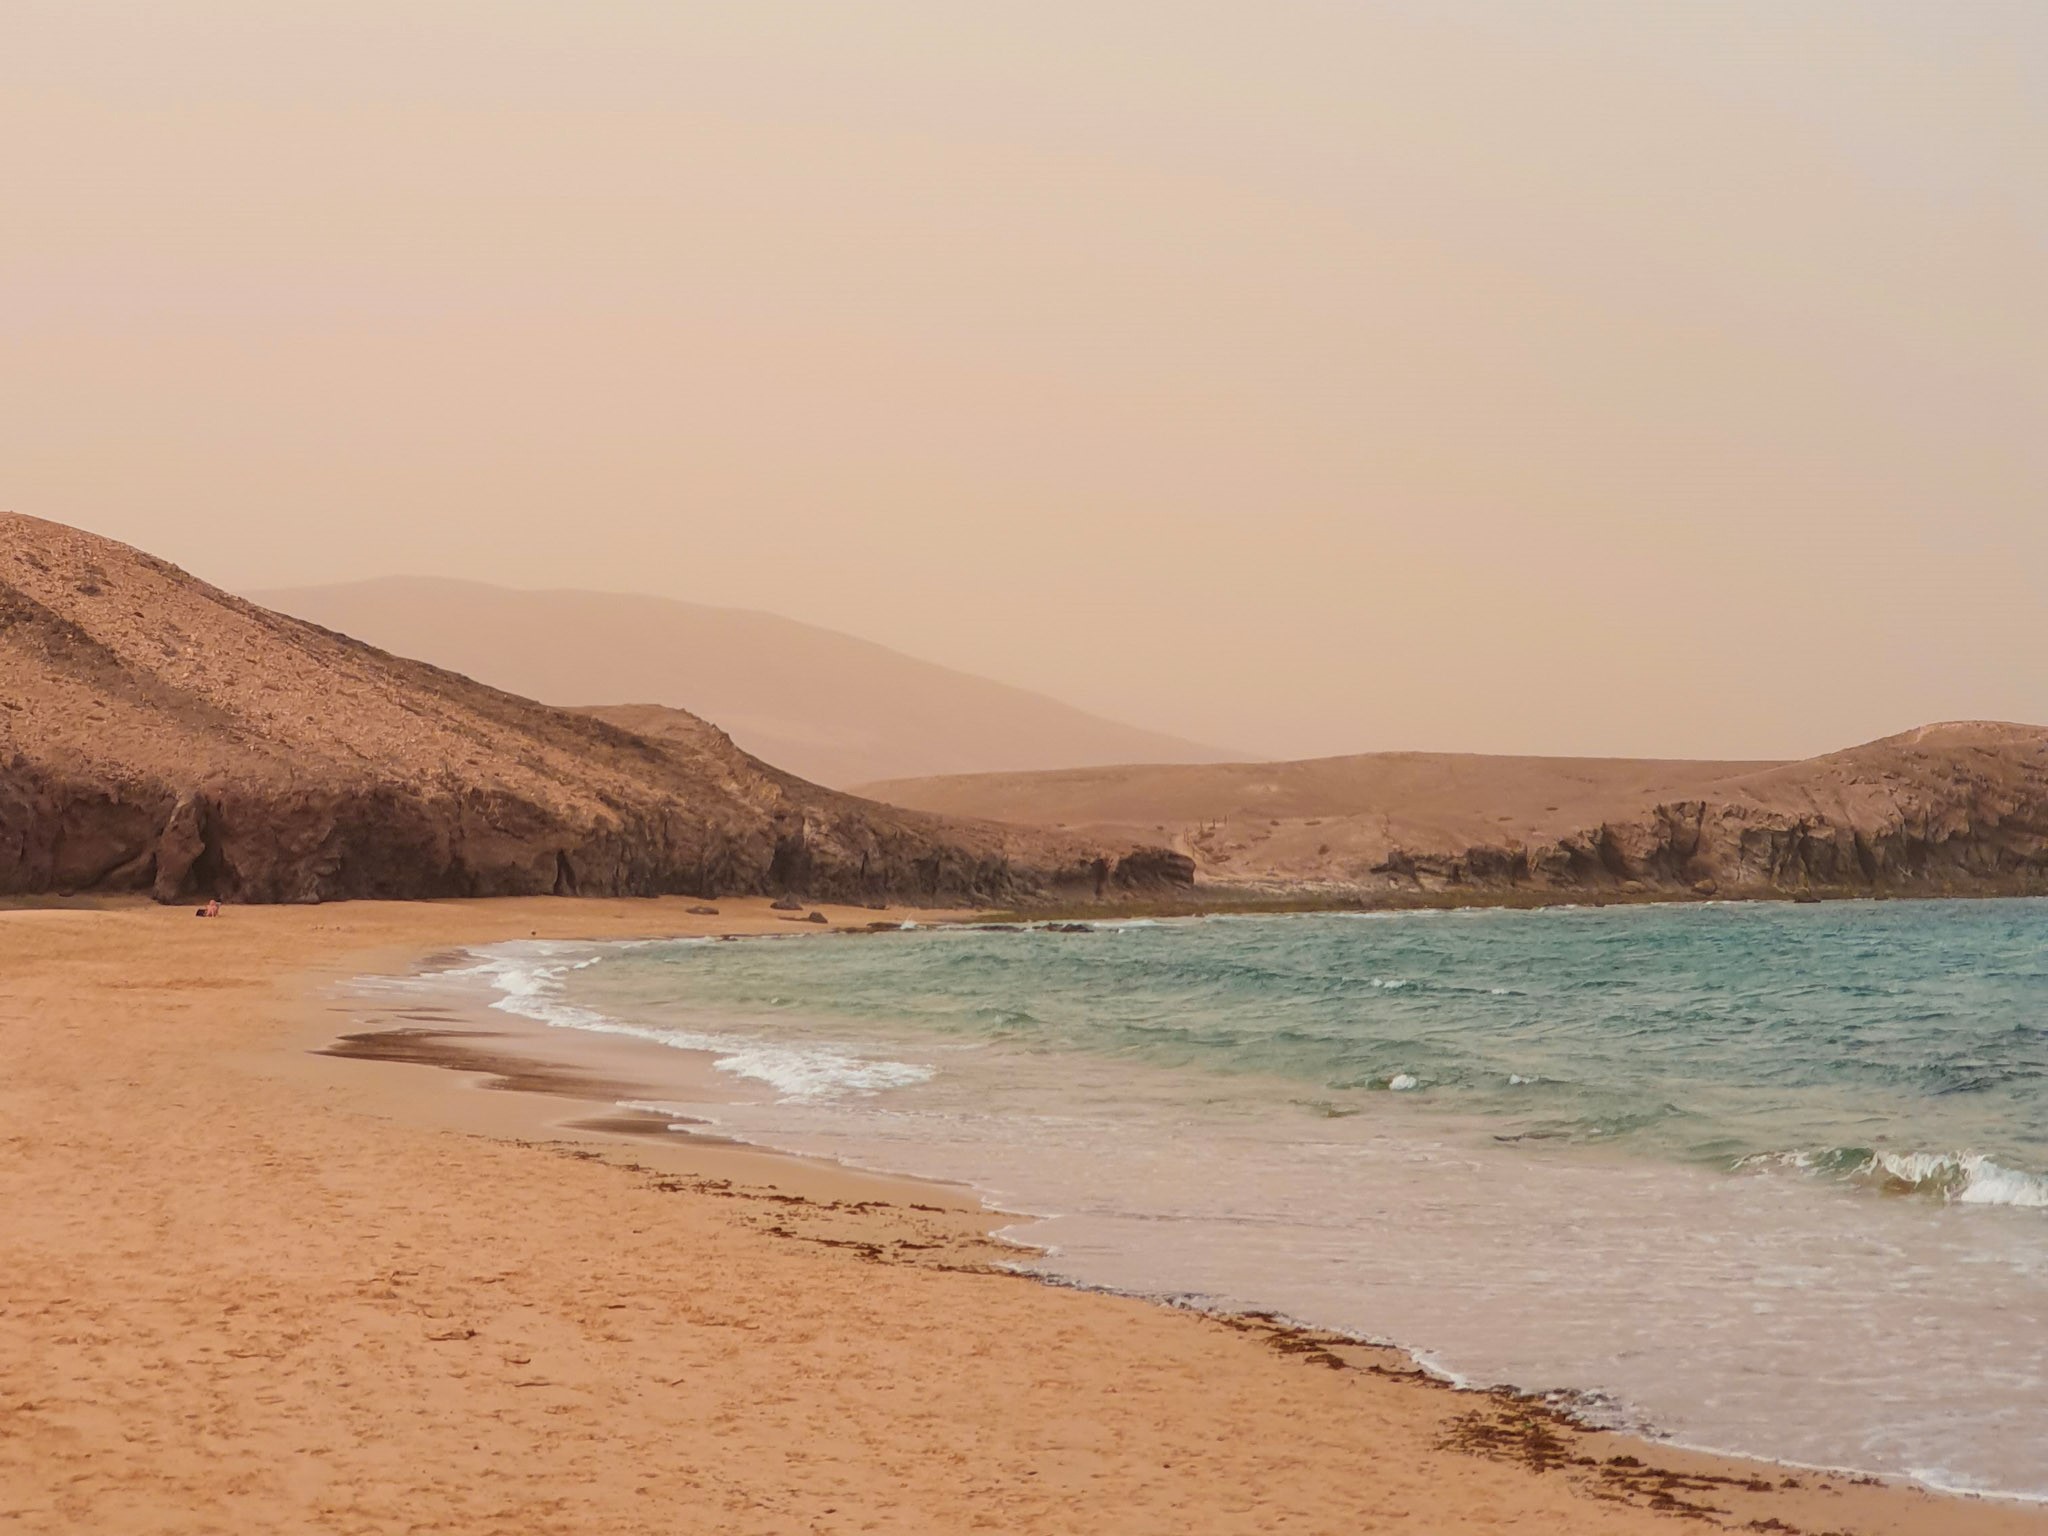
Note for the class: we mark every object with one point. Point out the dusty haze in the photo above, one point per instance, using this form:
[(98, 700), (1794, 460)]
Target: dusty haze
[(828, 708), (1310, 378)]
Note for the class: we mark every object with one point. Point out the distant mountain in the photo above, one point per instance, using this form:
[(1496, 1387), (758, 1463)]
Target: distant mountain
[(158, 734), (832, 708), (1958, 808)]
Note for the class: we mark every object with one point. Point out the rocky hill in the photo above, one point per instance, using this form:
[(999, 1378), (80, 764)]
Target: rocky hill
[(158, 734), (1959, 808)]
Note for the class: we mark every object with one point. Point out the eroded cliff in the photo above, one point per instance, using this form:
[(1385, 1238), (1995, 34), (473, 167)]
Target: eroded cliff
[(1954, 809)]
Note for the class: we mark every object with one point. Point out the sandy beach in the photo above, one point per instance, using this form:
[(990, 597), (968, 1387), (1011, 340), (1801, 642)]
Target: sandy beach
[(254, 1289)]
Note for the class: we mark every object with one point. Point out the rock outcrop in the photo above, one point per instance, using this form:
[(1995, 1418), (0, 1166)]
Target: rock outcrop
[(1954, 809), (160, 735), (1153, 869)]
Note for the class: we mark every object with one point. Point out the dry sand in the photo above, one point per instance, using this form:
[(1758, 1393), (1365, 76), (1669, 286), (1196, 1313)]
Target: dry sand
[(251, 1290)]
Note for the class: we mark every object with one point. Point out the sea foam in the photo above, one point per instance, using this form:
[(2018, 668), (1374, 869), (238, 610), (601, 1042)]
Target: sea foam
[(529, 976), (1956, 1178), (1966, 1178)]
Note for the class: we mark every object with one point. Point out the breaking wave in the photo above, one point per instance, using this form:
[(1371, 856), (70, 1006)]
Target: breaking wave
[(1955, 1178)]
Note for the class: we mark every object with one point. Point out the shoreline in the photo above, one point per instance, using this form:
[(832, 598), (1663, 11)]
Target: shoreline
[(704, 1085), (1199, 900), (1240, 901), (1507, 1459)]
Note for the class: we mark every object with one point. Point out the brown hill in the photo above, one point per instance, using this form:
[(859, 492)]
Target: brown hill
[(822, 704), (1957, 808), (159, 734)]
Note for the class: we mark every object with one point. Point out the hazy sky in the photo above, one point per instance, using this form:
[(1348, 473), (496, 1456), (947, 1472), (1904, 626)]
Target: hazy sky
[(1660, 376)]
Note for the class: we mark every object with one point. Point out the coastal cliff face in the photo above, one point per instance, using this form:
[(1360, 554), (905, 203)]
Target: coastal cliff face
[(160, 735), (1955, 809)]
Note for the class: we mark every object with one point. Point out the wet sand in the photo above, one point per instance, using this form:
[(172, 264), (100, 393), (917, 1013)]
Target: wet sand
[(252, 1287)]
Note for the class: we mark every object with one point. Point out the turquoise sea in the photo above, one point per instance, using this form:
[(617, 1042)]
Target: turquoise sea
[(1766, 1178)]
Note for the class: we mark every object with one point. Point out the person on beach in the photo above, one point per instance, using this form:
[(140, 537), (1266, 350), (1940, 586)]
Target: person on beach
[(211, 909)]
